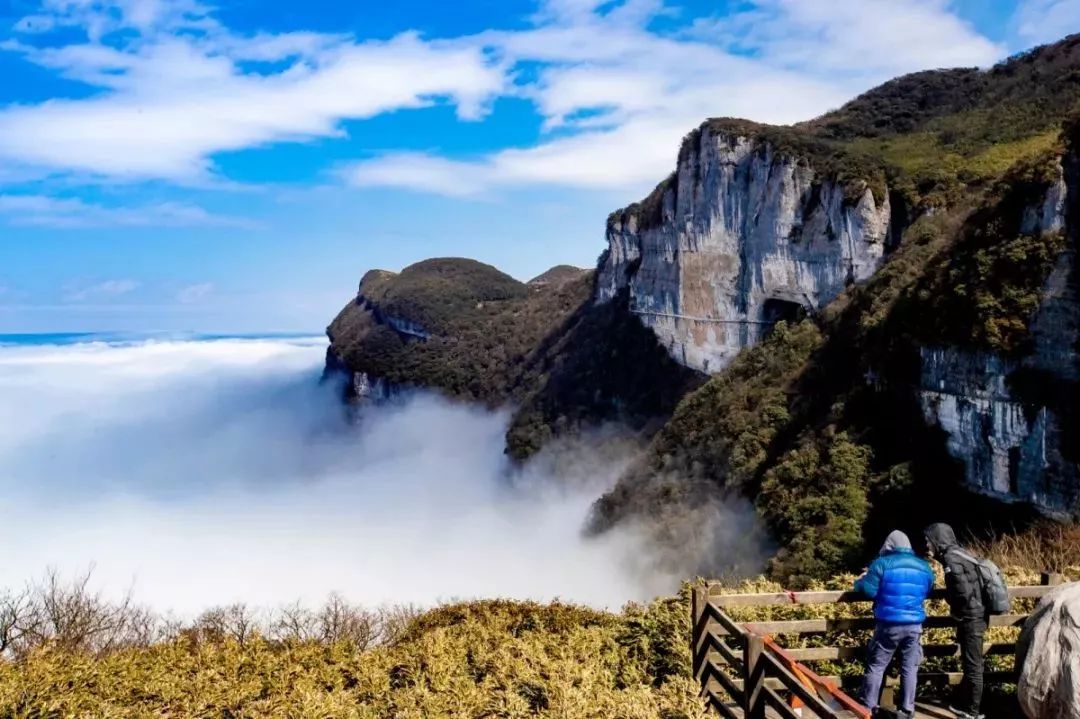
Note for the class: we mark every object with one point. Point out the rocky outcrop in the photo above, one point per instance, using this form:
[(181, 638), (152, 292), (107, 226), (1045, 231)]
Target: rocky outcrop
[(1008, 447), (1007, 418), (740, 236), (558, 360), (1048, 657)]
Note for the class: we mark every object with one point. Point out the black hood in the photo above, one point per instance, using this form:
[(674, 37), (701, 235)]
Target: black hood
[(940, 537)]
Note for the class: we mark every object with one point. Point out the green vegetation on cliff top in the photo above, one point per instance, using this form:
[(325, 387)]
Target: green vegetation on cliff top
[(473, 332), (928, 136)]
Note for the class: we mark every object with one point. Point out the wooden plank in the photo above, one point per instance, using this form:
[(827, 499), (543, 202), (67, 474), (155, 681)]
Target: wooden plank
[(774, 683), (733, 687), (712, 649), (818, 626), (1029, 592), (710, 685), (810, 626), (725, 710), (820, 654), (855, 680), (937, 678), (709, 652), (707, 623), (727, 624), (754, 658), (805, 675), (954, 678), (777, 703), (706, 644), (793, 685), (699, 597), (730, 655), (928, 711), (762, 600), (845, 597)]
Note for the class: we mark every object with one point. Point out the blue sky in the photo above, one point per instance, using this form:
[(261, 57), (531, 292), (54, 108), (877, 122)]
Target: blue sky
[(182, 165)]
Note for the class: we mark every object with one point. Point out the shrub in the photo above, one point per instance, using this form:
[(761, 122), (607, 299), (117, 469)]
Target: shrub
[(493, 658), (815, 498)]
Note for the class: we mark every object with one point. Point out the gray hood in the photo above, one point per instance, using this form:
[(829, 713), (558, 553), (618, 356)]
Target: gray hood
[(895, 540)]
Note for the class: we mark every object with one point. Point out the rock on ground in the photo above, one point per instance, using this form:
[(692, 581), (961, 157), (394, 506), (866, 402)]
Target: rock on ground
[(1048, 657)]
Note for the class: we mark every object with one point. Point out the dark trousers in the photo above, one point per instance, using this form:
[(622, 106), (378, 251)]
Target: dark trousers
[(890, 639), (969, 635)]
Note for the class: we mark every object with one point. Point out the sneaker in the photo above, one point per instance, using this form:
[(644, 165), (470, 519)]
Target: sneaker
[(901, 714), (961, 714)]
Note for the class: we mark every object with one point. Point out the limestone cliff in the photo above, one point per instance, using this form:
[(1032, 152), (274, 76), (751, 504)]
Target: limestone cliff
[(928, 229), (1008, 418), (919, 245), (742, 235)]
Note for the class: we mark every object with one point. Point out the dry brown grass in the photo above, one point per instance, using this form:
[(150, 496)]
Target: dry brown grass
[(1044, 547), (475, 659)]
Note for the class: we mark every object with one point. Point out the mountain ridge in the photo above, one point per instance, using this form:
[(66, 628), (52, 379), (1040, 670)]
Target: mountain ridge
[(926, 226)]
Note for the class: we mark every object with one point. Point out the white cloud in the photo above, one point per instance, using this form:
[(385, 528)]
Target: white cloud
[(66, 213), (1042, 21), (621, 96), (193, 294), (106, 290), (173, 99), (214, 472), (882, 37), (615, 96), (101, 17)]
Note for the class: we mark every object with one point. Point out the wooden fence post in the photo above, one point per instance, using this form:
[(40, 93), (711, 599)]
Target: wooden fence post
[(755, 676), (697, 609), (1052, 579)]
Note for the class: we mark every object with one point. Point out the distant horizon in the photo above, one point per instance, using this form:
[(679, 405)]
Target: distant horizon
[(193, 335)]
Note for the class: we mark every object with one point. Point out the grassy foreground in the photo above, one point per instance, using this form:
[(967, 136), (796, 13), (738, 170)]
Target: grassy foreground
[(480, 659), (495, 658)]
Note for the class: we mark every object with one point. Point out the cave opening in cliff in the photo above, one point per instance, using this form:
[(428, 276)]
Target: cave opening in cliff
[(775, 310)]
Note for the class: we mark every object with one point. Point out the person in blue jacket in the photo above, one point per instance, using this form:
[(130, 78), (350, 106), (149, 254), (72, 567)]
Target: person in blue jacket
[(899, 582)]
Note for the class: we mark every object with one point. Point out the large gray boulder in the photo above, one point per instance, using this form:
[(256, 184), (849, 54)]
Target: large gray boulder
[(1048, 657)]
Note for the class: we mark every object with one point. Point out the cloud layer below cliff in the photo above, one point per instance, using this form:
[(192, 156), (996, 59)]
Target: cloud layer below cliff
[(205, 472)]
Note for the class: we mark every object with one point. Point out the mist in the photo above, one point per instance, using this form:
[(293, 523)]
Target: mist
[(200, 473)]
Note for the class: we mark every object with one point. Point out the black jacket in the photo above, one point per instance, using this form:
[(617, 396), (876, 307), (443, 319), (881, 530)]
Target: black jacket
[(963, 588)]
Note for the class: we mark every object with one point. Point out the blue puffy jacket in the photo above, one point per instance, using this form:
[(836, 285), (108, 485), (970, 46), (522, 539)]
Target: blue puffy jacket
[(898, 582)]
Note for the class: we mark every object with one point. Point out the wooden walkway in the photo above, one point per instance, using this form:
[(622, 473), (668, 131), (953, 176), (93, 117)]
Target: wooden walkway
[(746, 674), (922, 711)]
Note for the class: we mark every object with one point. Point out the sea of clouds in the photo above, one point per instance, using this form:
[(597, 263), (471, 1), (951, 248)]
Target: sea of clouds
[(200, 473)]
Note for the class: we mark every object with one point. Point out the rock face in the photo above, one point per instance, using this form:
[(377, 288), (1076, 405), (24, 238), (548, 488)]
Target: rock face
[(1048, 657), (1010, 448), (1013, 445), (739, 237)]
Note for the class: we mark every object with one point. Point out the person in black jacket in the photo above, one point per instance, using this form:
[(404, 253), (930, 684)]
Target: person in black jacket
[(964, 592)]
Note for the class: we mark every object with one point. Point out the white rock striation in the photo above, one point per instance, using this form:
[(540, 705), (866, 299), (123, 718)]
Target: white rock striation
[(1003, 448), (1011, 449), (742, 235), (739, 236)]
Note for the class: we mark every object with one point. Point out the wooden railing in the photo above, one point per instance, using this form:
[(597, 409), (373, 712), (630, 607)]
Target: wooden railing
[(745, 674)]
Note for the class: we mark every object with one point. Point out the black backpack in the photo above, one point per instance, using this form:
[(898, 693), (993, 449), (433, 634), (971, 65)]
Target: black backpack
[(995, 591)]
